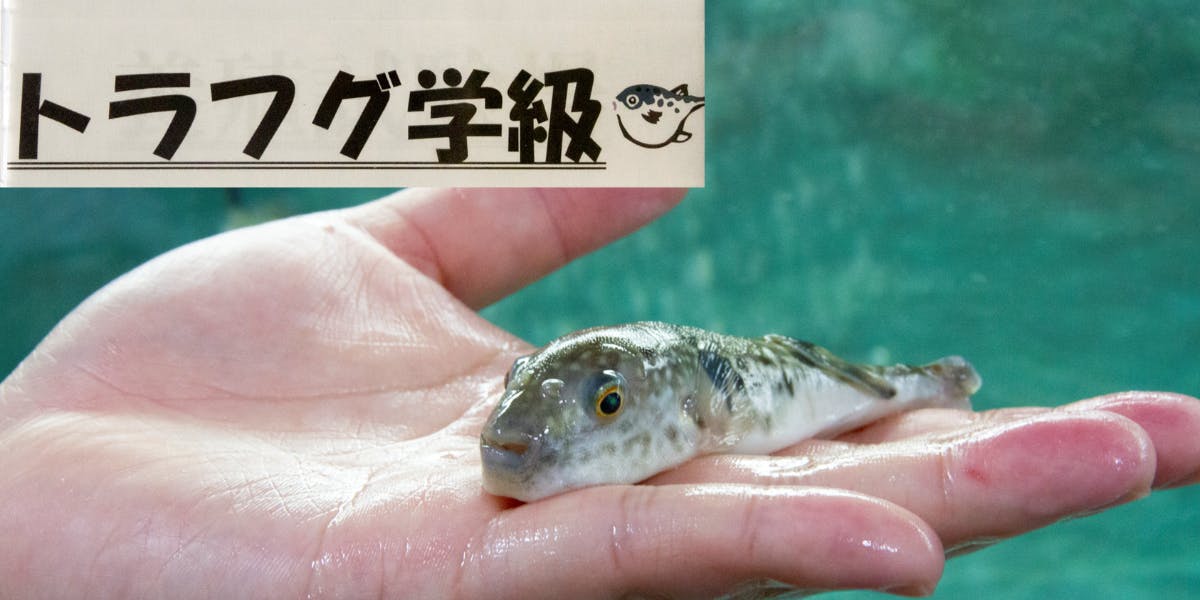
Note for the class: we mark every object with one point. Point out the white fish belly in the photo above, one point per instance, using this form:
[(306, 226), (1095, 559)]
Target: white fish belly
[(823, 408)]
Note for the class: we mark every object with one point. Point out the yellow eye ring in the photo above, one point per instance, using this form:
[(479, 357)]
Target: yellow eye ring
[(609, 401)]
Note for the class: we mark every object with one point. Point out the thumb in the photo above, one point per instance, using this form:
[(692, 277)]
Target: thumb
[(483, 244)]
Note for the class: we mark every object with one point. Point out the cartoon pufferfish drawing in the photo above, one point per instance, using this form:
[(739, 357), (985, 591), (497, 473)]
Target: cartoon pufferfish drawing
[(652, 116)]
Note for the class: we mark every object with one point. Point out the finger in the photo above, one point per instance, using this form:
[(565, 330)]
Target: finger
[(988, 482), (910, 424), (701, 541), (1171, 420), (933, 421), (483, 244), (1173, 423)]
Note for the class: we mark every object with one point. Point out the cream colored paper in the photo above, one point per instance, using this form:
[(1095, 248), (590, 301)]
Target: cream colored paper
[(131, 67)]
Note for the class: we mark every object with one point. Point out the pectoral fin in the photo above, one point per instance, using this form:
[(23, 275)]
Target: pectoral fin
[(682, 136), (845, 371)]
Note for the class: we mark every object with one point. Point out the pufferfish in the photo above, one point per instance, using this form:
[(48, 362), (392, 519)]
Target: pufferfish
[(616, 405), (652, 117)]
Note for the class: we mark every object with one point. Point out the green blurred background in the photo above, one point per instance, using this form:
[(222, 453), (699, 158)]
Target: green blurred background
[(1015, 182)]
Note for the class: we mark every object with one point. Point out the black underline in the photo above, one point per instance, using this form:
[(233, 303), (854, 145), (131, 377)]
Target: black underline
[(297, 165)]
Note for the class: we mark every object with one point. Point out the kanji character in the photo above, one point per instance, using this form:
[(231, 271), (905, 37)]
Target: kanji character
[(528, 112), (460, 113)]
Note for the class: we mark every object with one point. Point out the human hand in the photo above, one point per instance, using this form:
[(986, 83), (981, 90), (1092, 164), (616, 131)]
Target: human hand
[(293, 409)]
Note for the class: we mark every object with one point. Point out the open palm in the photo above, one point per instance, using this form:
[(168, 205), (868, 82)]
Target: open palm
[(294, 409)]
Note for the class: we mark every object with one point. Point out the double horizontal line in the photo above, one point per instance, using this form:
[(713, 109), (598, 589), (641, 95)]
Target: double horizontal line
[(38, 165), (295, 165)]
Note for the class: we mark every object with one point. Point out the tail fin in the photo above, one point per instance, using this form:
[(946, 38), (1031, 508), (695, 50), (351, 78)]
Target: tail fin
[(957, 374)]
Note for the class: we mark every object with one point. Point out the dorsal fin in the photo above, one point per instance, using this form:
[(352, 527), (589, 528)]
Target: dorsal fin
[(840, 369), (681, 89)]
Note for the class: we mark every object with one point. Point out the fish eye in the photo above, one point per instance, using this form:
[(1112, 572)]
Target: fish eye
[(608, 401), (609, 398), (632, 100)]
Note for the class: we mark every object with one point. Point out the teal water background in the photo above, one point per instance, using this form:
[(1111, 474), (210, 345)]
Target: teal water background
[(1015, 182)]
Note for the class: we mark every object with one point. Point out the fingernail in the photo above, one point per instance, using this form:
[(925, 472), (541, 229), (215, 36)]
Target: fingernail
[(1170, 420), (911, 589)]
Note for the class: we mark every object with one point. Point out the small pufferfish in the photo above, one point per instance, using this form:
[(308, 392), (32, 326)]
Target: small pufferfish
[(619, 404)]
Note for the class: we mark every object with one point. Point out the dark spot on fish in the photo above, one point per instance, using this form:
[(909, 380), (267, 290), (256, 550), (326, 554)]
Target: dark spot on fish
[(609, 448), (721, 372), (672, 433), (641, 439)]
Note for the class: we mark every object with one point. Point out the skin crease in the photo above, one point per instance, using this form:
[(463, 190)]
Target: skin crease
[(293, 410)]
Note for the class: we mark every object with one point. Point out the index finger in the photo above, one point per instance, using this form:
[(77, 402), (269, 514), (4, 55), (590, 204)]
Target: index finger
[(985, 482), (700, 541)]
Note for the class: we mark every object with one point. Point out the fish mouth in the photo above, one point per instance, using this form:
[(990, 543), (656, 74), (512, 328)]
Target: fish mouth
[(507, 457), (652, 116), (511, 464), (511, 454)]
